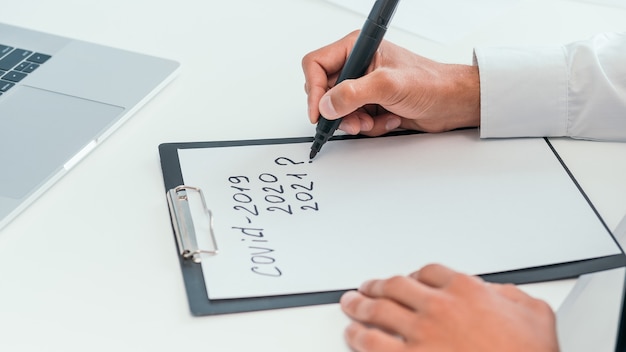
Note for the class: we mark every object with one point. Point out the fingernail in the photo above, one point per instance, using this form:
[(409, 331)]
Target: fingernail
[(366, 125), (347, 128), (365, 285), (312, 114), (392, 123), (326, 107), (348, 297)]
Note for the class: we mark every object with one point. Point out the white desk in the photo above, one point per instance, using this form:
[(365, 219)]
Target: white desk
[(92, 264)]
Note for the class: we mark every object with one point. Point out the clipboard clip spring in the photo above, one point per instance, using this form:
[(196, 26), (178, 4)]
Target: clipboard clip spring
[(182, 221)]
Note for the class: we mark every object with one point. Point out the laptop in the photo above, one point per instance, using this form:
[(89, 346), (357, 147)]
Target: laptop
[(59, 98), (593, 316)]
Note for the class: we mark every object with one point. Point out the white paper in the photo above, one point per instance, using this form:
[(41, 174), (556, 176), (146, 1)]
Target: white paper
[(442, 21), (378, 207)]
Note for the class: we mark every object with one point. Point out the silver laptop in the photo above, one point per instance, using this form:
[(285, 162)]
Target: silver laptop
[(59, 98)]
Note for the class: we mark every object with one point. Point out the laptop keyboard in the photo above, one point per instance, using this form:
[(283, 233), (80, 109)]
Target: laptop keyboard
[(16, 64)]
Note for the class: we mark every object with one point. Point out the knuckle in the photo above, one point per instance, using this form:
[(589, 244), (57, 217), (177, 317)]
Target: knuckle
[(462, 280), (463, 283), (436, 306), (393, 284), (304, 62), (385, 78), (428, 268), (387, 82), (307, 59), (375, 310), (346, 92), (542, 307), (508, 287), (354, 34)]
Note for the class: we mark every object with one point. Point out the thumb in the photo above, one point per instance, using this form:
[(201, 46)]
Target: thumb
[(350, 95)]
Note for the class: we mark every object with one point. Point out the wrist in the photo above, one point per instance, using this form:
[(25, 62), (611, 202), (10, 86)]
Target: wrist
[(464, 96)]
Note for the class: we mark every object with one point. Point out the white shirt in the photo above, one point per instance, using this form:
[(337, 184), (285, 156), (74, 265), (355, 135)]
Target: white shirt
[(577, 90)]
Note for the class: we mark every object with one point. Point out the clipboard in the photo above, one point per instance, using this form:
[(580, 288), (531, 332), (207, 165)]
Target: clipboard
[(177, 192), (186, 244)]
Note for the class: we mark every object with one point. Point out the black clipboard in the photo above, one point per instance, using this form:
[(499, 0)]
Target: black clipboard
[(195, 286)]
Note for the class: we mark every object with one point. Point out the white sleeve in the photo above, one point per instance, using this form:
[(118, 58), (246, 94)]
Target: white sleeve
[(577, 90)]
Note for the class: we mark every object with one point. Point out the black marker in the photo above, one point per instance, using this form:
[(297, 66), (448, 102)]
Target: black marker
[(358, 61)]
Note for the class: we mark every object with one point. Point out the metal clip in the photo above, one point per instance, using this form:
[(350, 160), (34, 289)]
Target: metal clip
[(182, 221)]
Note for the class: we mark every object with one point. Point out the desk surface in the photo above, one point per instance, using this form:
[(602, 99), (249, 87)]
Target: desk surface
[(92, 264)]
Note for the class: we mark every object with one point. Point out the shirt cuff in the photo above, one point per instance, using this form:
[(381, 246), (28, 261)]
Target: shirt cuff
[(523, 91)]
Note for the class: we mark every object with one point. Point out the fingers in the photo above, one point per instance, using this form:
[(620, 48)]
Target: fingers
[(511, 292), (362, 122), (383, 123), (314, 95), (364, 339), (434, 275), (347, 100), (357, 122), (350, 95), (439, 276), (321, 68), (385, 314), (418, 290), (436, 308)]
